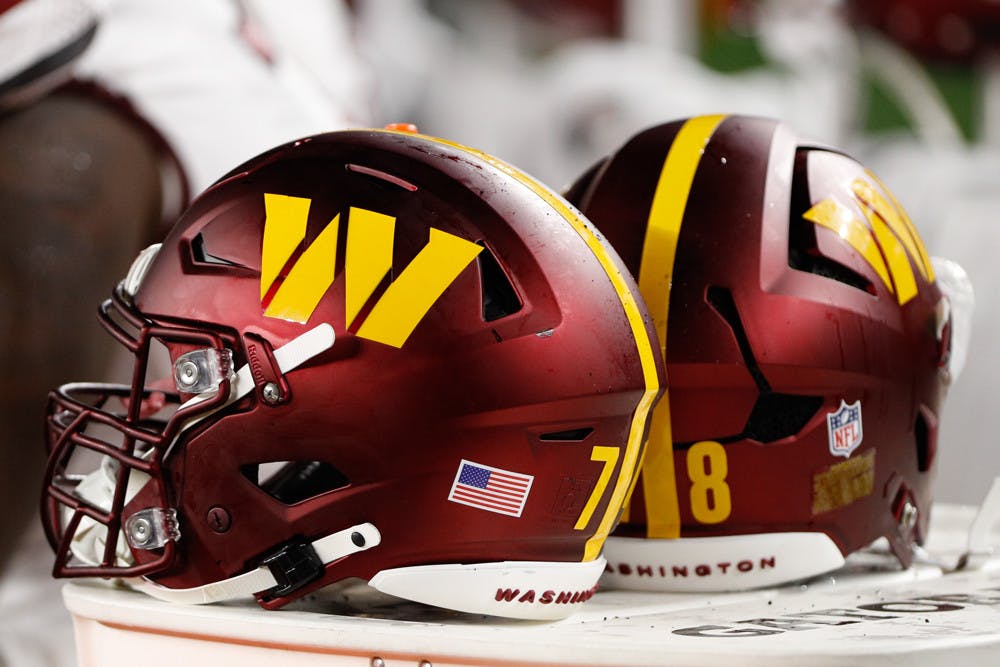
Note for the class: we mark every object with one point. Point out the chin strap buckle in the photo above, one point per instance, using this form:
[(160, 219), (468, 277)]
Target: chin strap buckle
[(290, 568), (299, 563), (293, 566)]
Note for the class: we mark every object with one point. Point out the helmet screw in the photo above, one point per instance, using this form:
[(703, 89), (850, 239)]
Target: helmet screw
[(271, 392), (140, 530), (908, 516), (378, 662), (187, 373), (218, 519)]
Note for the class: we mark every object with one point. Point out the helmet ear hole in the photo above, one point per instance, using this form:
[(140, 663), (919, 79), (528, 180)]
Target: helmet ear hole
[(292, 482)]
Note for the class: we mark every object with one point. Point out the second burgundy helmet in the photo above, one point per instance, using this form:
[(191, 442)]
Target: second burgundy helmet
[(806, 343), (958, 31)]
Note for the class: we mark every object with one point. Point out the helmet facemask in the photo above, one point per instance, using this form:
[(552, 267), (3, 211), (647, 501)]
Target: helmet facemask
[(107, 505)]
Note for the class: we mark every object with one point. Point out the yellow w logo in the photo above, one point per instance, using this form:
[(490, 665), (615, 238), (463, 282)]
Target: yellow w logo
[(368, 259), (887, 242)]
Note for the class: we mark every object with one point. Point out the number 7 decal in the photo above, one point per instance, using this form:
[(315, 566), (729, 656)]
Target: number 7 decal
[(609, 455)]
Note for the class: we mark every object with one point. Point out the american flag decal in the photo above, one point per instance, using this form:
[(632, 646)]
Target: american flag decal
[(490, 489)]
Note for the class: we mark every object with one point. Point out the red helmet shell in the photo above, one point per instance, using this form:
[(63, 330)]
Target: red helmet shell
[(804, 336), (478, 318), (950, 30)]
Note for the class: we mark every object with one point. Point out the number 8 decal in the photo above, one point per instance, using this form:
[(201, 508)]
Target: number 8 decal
[(707, 468)]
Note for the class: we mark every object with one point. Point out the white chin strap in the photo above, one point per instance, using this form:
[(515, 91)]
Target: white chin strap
[(329, 549), (98, 487), (289, 356)]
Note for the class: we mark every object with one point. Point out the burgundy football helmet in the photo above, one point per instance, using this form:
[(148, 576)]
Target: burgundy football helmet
[(393, 358), (806, 346), (960, 31)]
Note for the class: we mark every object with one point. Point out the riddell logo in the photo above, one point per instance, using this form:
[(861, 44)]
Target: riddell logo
[(256, 368), (293, 279), (545, 597)]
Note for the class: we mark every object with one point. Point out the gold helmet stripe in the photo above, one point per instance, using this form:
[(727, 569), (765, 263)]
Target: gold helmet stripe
[(633, 312), (659, 248)]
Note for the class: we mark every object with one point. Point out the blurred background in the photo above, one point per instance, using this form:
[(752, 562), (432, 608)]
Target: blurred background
[(113, 113)]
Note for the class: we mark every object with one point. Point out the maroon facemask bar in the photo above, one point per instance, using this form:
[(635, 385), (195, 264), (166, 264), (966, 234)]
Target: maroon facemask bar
[(127, 431)]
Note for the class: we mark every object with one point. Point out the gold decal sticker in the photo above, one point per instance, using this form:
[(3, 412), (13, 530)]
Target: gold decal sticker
[(292, 289), (888, 242), (843, 483), (663, 227)]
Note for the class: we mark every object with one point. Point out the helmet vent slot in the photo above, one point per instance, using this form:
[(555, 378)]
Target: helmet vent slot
[(292, 482), (803, 248), (381, 175), (499, 297), (202, 256), (809, 260), (774, 415), (721, 299), (569, 435)]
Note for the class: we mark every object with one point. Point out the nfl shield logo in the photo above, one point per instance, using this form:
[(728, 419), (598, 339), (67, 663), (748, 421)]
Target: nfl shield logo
[(844, 428)]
